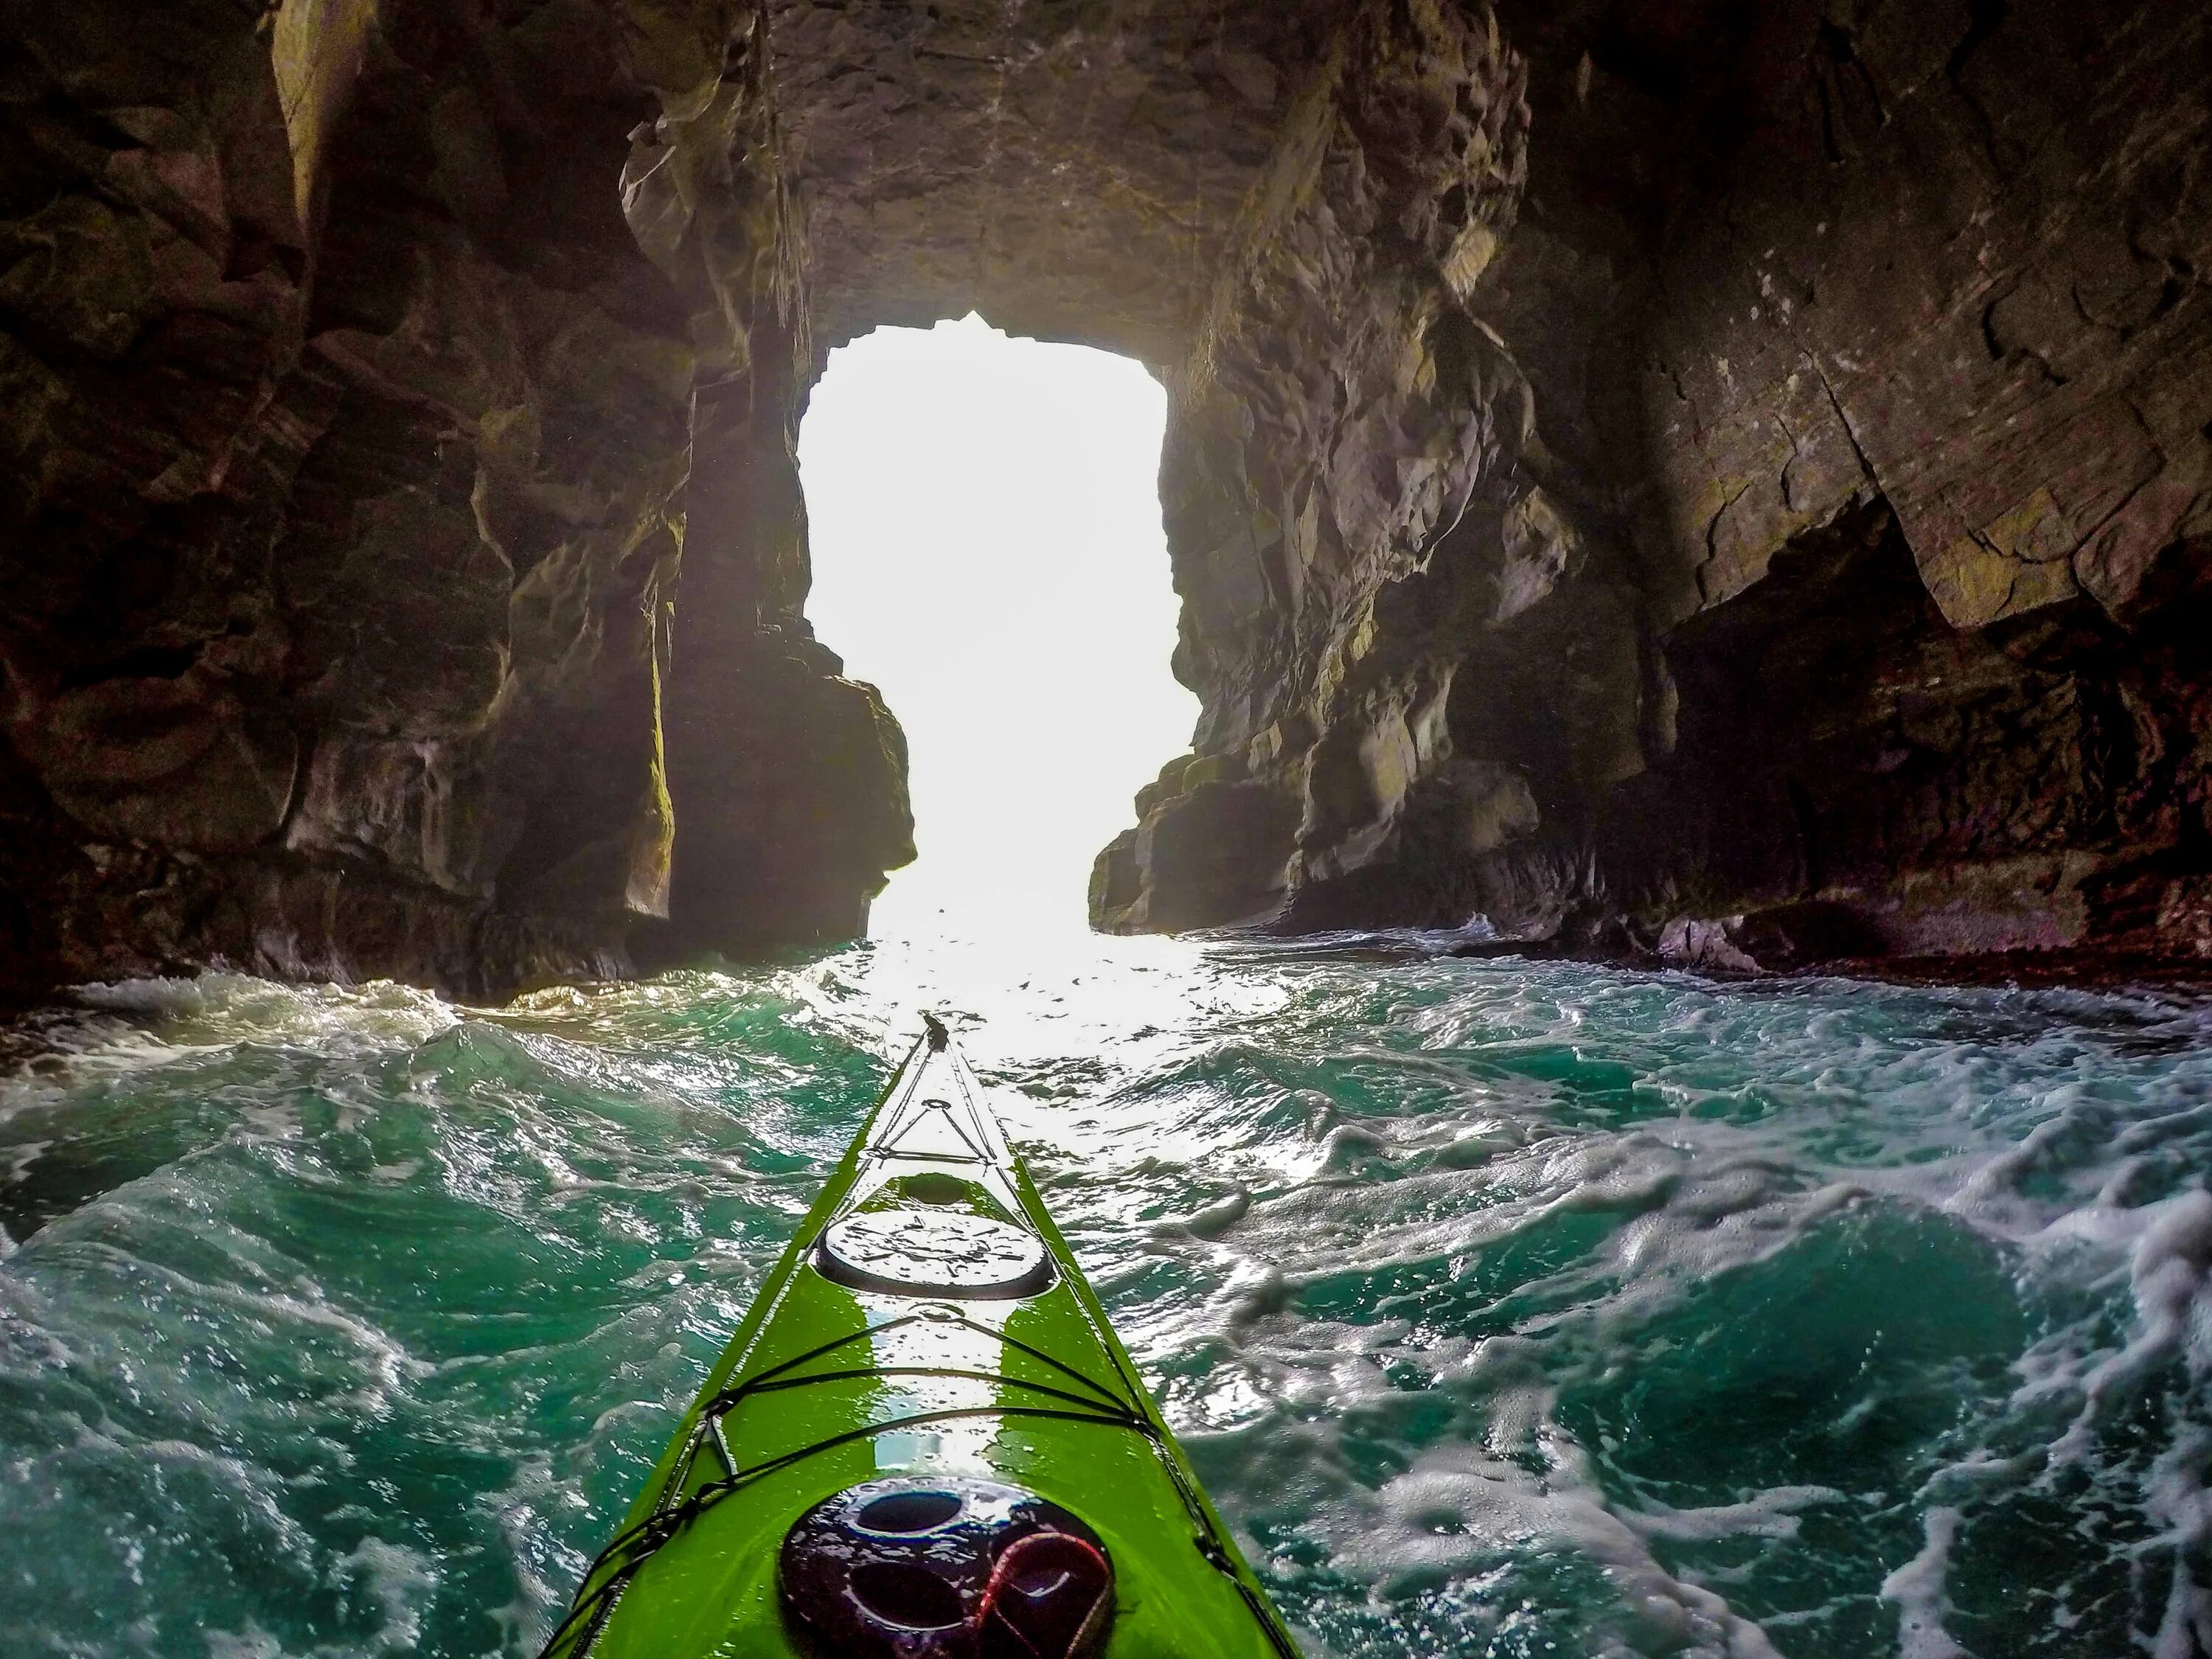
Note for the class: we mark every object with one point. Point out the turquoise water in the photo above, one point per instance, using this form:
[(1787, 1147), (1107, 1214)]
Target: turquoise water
[(1507, 1309)]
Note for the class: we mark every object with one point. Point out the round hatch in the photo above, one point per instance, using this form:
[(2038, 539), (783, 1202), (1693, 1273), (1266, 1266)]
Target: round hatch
[(933, 1252)]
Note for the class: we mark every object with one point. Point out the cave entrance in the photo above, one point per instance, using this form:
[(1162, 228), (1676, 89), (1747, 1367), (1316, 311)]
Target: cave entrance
[(985, 522)]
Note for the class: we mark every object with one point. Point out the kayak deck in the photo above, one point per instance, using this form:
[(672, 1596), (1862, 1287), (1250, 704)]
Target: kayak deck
[(927, 1320)]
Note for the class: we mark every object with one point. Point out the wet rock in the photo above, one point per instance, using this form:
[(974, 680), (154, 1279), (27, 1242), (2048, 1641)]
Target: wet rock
[(1339, 440), (1709, 946), (1075, 170), (351, 485), (1226, 844), (1627, 464), (176, 762), (1786, 499)]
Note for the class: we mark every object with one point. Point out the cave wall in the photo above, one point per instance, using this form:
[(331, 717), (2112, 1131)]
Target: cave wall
[(1715, 480), (788, 780), (1764, 520), (397, 553)]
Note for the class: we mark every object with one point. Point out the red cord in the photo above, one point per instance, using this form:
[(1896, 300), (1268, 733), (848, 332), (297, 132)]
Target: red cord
[(1002, 1574)]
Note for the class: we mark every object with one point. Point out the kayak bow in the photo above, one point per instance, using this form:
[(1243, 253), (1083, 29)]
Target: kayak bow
[(925, 1442)]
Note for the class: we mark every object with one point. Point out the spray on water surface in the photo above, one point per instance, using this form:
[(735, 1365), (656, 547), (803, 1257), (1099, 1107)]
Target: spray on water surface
[(1507, 1309)]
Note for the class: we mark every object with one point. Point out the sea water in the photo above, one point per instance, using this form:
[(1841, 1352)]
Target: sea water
[(1506, 1307)]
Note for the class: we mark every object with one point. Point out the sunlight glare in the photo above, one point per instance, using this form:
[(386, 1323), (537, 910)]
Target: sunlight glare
[(986, 528)]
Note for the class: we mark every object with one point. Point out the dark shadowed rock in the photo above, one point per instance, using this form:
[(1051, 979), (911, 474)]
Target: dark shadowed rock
[(354, 495), (1224, 845), (1762, 523), (1721, 486)]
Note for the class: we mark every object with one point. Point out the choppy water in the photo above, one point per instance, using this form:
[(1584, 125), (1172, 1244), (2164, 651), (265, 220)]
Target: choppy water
[(1507, 1309)]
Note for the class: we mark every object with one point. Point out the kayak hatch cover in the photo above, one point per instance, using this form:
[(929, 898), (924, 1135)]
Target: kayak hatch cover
[(925, 1442)]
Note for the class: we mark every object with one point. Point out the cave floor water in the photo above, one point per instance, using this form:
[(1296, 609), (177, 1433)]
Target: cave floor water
[(1506, 1307)]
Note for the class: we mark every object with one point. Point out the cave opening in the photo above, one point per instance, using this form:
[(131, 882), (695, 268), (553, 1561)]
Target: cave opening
[(985, 522)]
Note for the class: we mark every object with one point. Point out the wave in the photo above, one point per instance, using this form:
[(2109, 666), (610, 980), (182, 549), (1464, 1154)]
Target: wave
[(1502, 1303)]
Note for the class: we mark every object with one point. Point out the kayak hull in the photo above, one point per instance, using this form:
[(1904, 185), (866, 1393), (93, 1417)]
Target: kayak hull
[(967, 1346)]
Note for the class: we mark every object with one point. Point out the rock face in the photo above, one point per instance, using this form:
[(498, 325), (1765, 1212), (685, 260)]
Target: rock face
[(403, 568), (1761, 516), (1659, 477), (1074, 172)]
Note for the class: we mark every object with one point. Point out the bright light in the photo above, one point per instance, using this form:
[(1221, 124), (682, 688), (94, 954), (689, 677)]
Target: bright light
[(985, 527)]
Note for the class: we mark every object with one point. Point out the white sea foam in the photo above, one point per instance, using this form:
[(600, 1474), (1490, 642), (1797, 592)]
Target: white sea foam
[(1390, 1237), (1450, 1514), (1916, 1588)]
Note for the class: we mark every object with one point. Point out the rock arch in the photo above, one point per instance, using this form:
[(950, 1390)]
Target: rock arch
[(1630, 467)]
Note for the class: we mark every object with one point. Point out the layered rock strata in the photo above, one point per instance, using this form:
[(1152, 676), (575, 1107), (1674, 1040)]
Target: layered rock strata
[(1762, 518)]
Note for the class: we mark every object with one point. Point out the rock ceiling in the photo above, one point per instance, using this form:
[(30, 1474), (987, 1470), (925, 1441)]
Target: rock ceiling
[(1073, 170)]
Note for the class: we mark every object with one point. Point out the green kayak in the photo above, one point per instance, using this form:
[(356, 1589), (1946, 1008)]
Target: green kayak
[(925, 1442)]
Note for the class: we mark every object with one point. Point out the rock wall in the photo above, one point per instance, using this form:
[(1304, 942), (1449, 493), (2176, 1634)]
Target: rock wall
[(787, 780), (369, 504), (1343, 413), (1674, 477), (1760, 516)]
